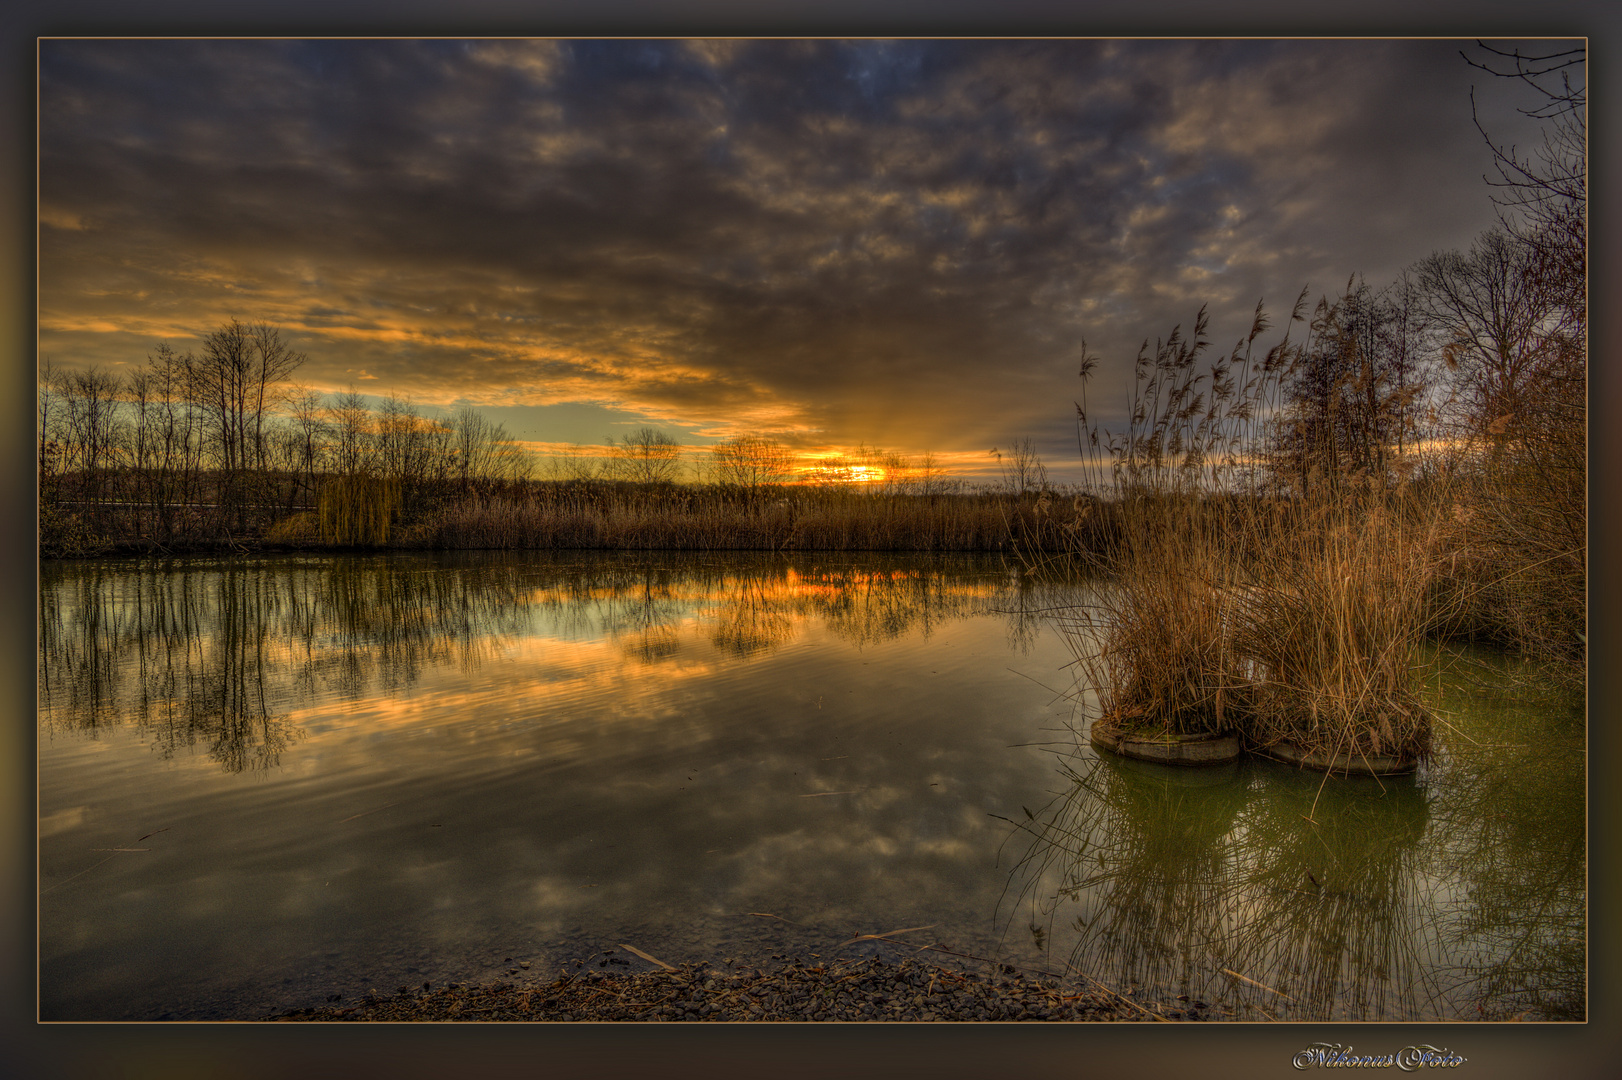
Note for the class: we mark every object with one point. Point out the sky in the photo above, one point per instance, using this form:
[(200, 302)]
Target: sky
[(891, 244)]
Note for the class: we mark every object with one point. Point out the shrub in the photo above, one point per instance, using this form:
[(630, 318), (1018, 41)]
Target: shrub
[(356, 510)]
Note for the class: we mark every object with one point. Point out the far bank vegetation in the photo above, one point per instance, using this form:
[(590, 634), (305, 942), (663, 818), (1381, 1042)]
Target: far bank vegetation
[(218, 449)]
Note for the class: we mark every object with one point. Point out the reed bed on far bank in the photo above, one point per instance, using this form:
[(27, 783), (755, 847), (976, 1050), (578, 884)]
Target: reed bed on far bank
[(714, 520)]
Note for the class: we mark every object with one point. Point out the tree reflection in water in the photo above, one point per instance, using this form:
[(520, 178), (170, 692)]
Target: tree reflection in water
[(1278, 892), (217, 652), (184, 657)]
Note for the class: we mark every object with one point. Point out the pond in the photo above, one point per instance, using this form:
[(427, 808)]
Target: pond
[(266, 781)]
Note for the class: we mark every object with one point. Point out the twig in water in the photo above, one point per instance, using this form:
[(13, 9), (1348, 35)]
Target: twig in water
[(779, 918), (1253, 982), (114, 851), (884, 936), (645, 956)]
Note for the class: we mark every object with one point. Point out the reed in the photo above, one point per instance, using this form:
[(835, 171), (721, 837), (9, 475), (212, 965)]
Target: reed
[(711, 519), (1239, 602), (1332, 625), (1157, 644), (1519, 578)]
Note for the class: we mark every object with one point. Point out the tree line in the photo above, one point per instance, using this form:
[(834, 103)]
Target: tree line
[(217, 443)]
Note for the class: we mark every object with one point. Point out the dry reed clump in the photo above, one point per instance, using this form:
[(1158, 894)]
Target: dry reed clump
[(1331, 628), (1157, 644), (357, 510), (301, 529), (1236, 603), (1519, 576)]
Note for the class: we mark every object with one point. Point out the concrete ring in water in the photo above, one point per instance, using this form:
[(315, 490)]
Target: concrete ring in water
[(1210, 748), (1340, 763)]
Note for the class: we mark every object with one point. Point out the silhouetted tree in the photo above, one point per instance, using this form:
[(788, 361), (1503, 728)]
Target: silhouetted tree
[(749, 463), (1022, 470), (646, 456), (1352, 394)]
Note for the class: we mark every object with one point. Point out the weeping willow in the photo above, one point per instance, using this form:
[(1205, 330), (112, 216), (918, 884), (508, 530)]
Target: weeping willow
[(356, 510)]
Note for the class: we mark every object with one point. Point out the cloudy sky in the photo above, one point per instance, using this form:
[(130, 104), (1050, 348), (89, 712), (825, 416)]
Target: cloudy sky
[(897, 244)]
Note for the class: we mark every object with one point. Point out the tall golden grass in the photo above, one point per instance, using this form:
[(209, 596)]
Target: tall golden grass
[(1519, 577), (1332, 622), (1158, 645)]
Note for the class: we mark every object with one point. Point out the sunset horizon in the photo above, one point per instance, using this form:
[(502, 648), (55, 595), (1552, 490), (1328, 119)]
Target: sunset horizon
[(897, 246)]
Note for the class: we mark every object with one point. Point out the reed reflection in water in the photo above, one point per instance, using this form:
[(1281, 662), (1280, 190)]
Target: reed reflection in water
[(1279, 893)]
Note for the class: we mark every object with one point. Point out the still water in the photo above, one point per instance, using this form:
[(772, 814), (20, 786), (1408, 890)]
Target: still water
[(263, 782)]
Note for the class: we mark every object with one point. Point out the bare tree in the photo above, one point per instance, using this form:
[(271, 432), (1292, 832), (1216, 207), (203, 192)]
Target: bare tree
[(1543, 196), (167, 448), (353, 445), (1499, 318), (309, 435), (513, 463), (47, 398), (272, 362), (646, 456), (577, 464), (930, 479), (94, 436), (750, 463), (1022, 469), (405, 442), (472, 446), (482, 453), (1352, 393), (1517, 310), (235, 381)]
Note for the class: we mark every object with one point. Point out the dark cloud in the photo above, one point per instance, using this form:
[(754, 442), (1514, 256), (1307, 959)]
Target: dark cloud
[(901, 243)]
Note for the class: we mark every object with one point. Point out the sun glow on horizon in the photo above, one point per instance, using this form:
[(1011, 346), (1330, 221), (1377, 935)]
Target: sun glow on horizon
[(848, 474)]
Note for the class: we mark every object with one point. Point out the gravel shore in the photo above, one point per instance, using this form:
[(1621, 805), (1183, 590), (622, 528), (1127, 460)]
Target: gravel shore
[(791, 990)]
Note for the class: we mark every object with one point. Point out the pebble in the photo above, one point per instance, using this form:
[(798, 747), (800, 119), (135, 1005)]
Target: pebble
[(870, 990)]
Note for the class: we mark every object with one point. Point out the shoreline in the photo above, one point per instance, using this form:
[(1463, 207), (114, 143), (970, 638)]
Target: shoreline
[(853, 990)]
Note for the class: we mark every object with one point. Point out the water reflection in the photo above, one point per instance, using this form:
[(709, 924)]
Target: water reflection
[(189, 660), (1510, 804), (1278, 893), (400, 764), (531, 755), (217, 653)]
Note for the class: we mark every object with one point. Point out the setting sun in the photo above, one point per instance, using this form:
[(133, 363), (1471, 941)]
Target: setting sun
[(860, 474)]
